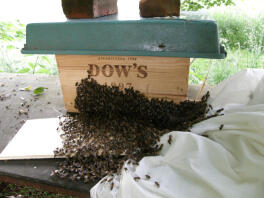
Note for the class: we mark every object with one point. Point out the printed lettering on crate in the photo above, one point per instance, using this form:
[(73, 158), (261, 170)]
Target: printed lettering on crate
[(162, 77)]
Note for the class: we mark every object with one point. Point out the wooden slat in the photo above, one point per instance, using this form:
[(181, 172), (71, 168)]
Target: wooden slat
[(163, 77)]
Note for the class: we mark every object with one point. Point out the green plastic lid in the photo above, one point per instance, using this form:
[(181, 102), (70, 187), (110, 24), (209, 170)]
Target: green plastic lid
[(189, 37)]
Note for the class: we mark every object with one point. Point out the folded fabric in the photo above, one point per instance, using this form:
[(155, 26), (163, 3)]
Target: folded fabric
[(226, 162)]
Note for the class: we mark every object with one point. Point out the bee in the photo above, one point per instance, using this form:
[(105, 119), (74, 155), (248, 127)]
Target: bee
[(162, 46), (147, 177), (161, 146), (112, 186), (125, 169), (220, 110), (74, 177), (157, 184), (221, 127), (103, 181), (111, 179), (136, 179), (170, 139)]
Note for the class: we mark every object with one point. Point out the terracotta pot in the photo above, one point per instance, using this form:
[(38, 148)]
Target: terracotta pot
[(159, 8), (83, 9)]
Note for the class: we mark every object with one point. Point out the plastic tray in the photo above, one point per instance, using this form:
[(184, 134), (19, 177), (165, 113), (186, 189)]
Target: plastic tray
[(166, 37)]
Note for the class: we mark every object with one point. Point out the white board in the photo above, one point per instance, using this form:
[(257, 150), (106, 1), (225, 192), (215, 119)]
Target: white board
[(37, 139)]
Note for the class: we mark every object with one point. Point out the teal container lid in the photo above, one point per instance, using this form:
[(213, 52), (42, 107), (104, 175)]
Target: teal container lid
[(187, 37)]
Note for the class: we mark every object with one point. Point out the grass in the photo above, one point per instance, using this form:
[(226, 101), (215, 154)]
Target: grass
[(12, 39), (11, 190), (237, 60), (238, 30), (12, 61), (243, 38)]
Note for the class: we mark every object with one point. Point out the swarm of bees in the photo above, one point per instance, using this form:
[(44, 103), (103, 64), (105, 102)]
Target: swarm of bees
[(114, 126)]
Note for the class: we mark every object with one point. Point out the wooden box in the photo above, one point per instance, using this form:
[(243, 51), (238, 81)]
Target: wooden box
[(143, 53), (162, 77)]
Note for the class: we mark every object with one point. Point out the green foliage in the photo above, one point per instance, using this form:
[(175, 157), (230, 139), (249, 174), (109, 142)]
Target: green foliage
[(12, 39), (28, 88), (12, 61), (236, 61), (23, 70), (12, 31), (39, 90), (11, 190), (237, 30), (195, 5), (243, 38)]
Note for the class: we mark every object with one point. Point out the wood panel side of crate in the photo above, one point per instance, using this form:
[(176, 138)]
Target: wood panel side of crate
[(162, 77)]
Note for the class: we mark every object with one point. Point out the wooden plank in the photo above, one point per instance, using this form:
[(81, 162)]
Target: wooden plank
[(163, 77), (37, 139)]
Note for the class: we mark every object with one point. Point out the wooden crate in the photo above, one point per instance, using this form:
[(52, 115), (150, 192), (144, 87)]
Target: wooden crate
[(162, 77)]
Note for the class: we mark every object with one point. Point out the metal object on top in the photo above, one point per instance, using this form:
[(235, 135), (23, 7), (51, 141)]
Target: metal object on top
[(189, 36)]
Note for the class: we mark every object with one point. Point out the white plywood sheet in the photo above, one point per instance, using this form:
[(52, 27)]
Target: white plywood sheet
[(37, 139)]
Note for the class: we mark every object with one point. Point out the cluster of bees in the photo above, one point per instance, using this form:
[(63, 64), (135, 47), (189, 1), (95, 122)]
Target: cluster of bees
[(130, 164), (114, 126)]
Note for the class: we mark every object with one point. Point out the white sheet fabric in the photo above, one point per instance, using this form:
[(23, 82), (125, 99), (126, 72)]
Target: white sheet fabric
[(228, 164)]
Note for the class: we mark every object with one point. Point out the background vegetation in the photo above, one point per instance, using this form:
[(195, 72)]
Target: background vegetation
[(195, 5), (241, 34), (13, 191), (12, 39), (243, 37)]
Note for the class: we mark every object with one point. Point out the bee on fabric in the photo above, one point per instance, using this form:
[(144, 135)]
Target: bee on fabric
[(157, 184), (170, 139)]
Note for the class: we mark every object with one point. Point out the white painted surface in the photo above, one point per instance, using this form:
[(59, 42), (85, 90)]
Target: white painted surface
[(37, 139)]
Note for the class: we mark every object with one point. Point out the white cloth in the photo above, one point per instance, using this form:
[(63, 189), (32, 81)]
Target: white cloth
[(228, 164), (239, 89)]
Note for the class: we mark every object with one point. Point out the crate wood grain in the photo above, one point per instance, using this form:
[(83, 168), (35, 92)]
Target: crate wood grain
[(162, 77)]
